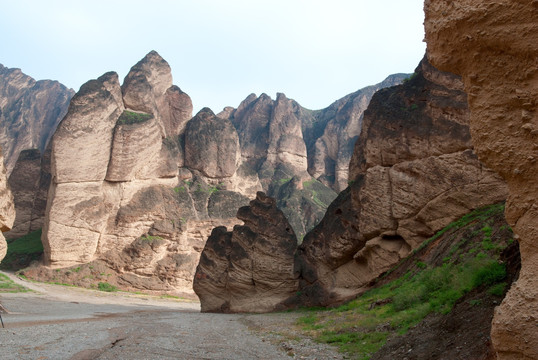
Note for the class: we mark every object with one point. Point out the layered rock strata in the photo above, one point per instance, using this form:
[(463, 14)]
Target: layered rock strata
[(413, 171), (120, 193), (493, 46), (30, 110), (7, 208), (249, 269)]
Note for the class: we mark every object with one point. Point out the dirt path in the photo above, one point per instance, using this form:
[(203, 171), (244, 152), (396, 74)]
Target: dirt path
[(58, 322)]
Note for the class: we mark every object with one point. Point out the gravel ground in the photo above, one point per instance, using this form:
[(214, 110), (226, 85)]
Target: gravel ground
[(56, 322)]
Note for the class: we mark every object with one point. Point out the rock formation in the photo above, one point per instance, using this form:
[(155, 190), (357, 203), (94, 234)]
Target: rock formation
[(29, 112), (413, 172), (251, 268), (493, 46), (29, 182), (120, 193), (331, 152), (7, 209), (138, 184)]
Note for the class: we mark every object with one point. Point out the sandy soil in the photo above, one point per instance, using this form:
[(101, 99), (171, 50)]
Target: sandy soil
[(58, 322)]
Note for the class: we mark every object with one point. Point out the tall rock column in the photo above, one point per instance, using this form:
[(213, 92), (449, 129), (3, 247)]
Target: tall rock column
[(494, 46), (7, 208)]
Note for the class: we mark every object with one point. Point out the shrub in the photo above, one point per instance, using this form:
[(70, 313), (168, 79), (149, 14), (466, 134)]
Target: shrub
[(131, 117), (491, 273), (104, 286)]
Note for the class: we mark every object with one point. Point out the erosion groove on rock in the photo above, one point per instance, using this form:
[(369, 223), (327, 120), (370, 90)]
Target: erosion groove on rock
[(493, 46)]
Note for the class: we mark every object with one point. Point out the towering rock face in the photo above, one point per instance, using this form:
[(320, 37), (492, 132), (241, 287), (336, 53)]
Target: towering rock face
[(330, 153), (251, 268), (29, 182), (414, 172), (494, 47), (29, 112), (120, 194), (7, 209)]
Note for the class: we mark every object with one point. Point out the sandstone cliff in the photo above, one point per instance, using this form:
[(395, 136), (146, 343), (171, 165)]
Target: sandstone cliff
[(29, 112), (120, 193), (7, 209), (251, 268), (413, 172), (493, 46)]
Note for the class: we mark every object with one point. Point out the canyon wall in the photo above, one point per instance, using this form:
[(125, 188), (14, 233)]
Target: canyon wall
[(413, 171), (137, 183), (30, 110), (493, 46), (7, 208)]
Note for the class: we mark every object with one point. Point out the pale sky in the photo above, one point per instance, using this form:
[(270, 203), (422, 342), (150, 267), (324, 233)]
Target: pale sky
[(220, 51)]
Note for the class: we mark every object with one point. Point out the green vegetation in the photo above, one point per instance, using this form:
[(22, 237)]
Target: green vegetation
[(22, 251), (362, 326), (150, 238), (131, 117), (104, 286), (8, 286)]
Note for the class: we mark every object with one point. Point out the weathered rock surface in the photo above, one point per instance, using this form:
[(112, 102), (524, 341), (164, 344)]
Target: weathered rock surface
[(29, 112), (493, 46), (29, 182), (330, 153), (120, 196), (413, 172), (7, 209), (212, 145), (251, 268)]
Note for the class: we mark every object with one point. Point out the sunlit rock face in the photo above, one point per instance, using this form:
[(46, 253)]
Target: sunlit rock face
[(7, 208), (413, 172), (494, 47), (120, 192), (30, 110)]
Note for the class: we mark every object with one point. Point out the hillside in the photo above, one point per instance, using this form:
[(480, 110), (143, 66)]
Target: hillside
[(435, 304)]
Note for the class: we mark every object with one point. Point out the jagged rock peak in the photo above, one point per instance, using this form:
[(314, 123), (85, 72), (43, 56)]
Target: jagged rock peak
[(148, 88), (146, 81), (30, 112)]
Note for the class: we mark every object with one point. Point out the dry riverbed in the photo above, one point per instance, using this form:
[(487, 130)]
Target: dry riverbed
[(59, 322)]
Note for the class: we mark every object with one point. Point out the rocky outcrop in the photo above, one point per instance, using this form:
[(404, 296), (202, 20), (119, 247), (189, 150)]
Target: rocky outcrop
[(120, 195), (30, 110), (7, 209), (251, 268), (493, 47), (330, 153), (212, 145), (413, 172), (29, 182)]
